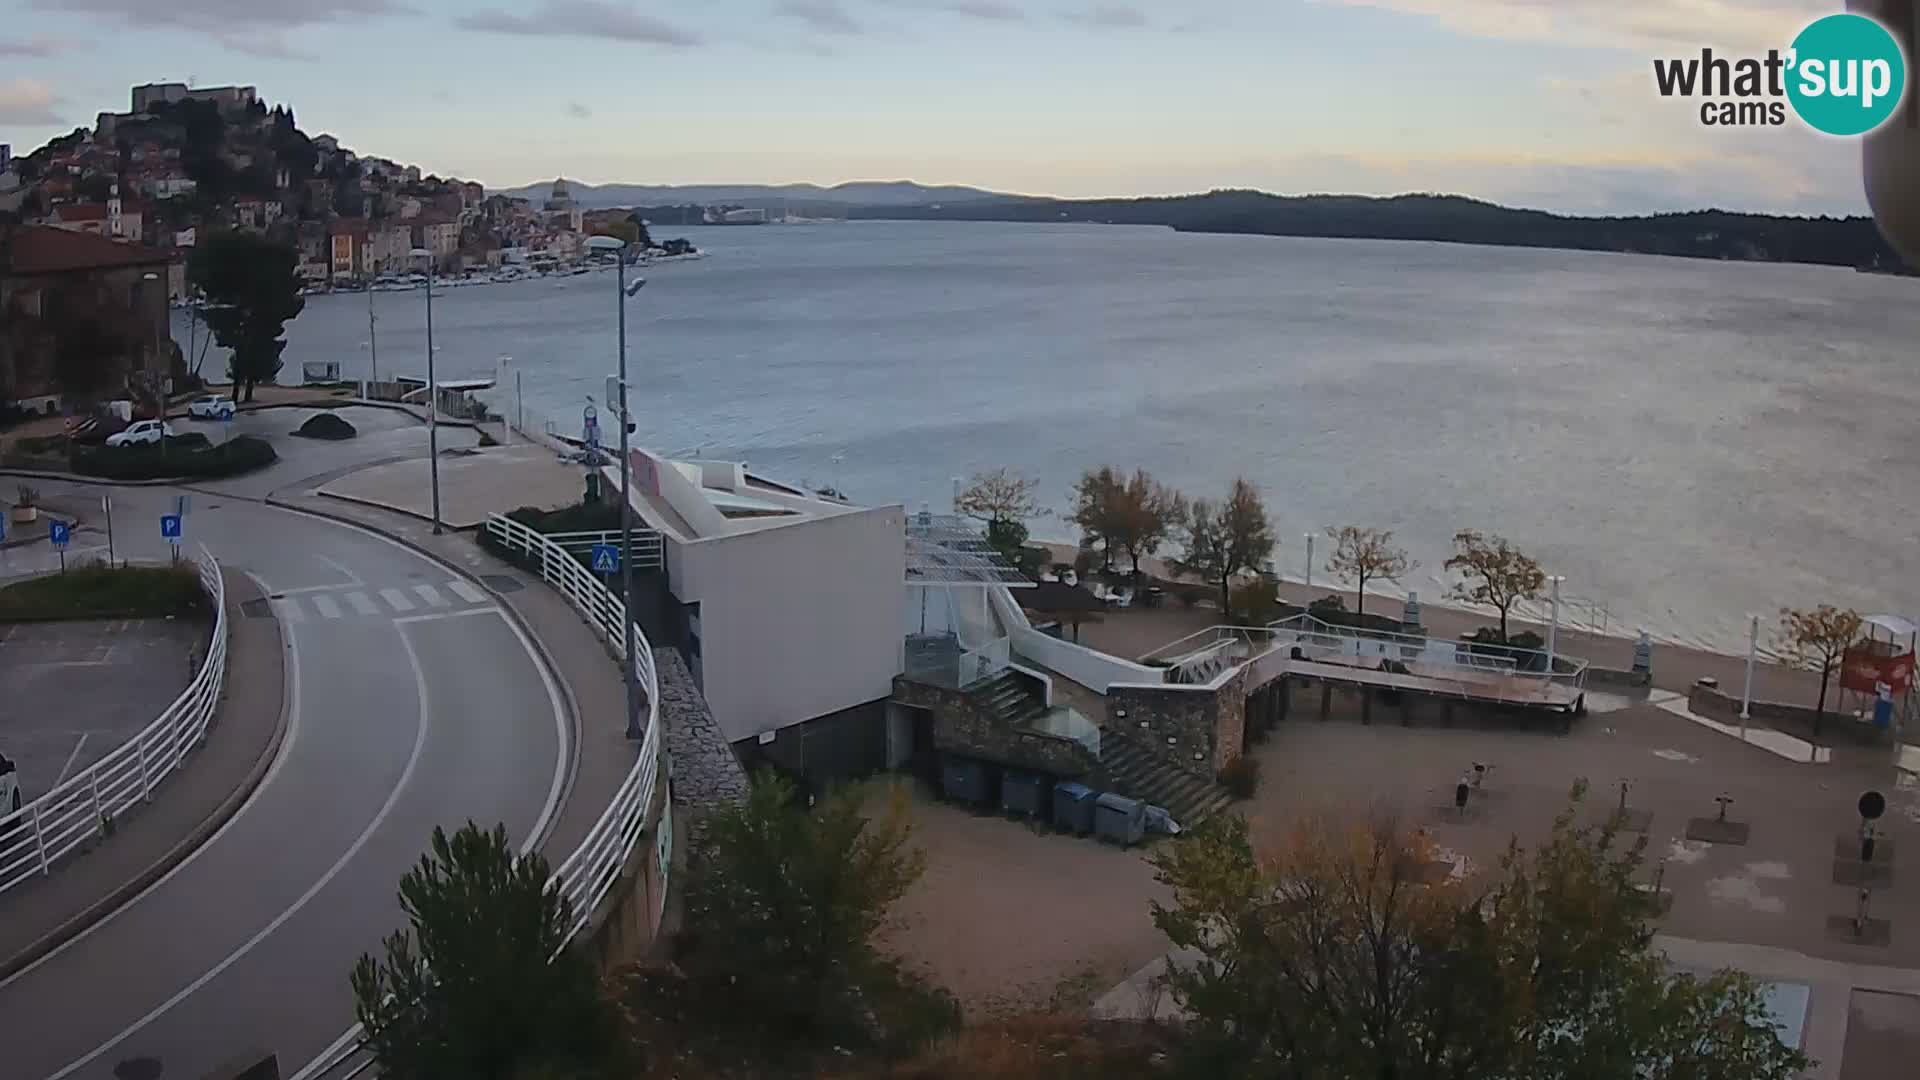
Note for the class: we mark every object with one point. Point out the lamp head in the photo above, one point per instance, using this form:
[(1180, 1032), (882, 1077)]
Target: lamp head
[(634, 286), (605, 243)]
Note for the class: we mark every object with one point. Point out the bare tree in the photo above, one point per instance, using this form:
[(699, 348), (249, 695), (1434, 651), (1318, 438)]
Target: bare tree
[(1361, 555), (1498, 574), (1001, 495), (1226, 538), (1817, 639)]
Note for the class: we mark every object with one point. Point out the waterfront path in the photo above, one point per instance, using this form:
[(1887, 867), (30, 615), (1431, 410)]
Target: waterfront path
[(413, 700)]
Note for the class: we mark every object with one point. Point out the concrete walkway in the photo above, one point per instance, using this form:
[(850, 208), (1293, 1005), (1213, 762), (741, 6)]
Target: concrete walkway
[(187, 807)]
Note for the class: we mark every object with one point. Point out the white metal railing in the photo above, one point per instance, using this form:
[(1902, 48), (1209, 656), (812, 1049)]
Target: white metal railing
[(586, 876), (87, 804), (649, 552)]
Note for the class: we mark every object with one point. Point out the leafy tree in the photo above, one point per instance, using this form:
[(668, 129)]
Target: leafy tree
[(784, 904), (1361, 555), (481, 985), (1149, 513), (1096, 499), (252, 286), (623, 230), (1227, 537), (1498, 574), (1339, 955), (1818, 639)]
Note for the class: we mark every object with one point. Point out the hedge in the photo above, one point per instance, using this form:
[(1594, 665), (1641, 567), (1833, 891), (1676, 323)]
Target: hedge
[(242, 453), (326, 426), (99, 591)]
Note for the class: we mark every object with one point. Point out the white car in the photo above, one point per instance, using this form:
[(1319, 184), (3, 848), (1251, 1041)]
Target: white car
[(211, 407), (141, 431)]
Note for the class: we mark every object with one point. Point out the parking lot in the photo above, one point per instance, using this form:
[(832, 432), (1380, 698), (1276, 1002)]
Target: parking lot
[(74, 691)]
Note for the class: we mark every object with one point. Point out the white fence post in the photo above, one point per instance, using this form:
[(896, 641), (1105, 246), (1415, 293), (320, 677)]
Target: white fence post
[(99, 812), (40, 840), (146, 780)]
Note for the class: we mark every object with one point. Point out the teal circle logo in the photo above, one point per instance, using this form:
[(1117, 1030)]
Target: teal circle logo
[(1847, 75)]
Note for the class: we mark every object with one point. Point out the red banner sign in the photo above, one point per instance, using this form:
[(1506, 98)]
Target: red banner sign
[(1864, 671)]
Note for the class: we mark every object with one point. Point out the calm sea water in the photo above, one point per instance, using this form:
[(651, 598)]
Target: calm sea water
[(1685, 441)]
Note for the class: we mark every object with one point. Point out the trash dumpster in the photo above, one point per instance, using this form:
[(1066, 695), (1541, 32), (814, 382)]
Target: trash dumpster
[(1024, 794), (1119, 819), (1073, 807), (965, 780)]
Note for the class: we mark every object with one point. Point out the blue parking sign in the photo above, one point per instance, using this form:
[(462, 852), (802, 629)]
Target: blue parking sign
[(606, 558), (170, 526), (59, 532)]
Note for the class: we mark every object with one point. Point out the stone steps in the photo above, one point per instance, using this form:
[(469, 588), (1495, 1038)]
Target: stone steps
[(1137, 772)]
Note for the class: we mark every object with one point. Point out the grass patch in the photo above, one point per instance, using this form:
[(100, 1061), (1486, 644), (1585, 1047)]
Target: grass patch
[(99, 591), (326, 426), (183, 458)]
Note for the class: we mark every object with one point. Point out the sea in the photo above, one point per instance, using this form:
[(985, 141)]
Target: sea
[(1688, 443)]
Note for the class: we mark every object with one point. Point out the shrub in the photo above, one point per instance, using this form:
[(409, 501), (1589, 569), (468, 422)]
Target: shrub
[(27, 495), (1083, 562), (1328, 605), (325, 426), (99, 591), (1527, 639), (1255, 604), (1191, 595), (1241, 777), (183, 458)]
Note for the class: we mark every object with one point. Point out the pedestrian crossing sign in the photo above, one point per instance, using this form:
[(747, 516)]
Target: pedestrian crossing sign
[(606, 558)]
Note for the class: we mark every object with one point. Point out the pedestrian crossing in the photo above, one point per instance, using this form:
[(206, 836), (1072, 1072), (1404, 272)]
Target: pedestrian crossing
[(324, 605)]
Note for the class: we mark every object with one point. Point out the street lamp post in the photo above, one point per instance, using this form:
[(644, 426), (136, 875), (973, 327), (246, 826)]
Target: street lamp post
[(1746, 693), (1553, 624), (433, 396), (1309, 561), (621, 293)]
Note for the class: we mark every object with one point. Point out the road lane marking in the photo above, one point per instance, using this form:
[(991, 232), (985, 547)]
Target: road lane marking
[(352, 578), (467, 592), (71, 758), (291, 703), (396, 599), (289, 610), (386, 808), (362, 603), (431, 595), (325, 606), (439, 615)]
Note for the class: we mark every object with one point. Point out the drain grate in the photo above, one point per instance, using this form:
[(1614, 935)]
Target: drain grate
[(256, 609), (502, 583)]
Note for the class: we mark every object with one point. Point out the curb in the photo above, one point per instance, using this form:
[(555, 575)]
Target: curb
[(134, 886)]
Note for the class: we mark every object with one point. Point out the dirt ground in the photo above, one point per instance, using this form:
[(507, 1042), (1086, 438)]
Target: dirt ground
[(1011, 919)]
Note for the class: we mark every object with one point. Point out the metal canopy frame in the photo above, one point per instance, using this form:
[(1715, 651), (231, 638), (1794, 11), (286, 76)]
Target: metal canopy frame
[(946, 550)]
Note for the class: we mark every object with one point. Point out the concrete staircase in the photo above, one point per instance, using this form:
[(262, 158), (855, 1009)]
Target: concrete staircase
[(1135, 771), (1009, 699)]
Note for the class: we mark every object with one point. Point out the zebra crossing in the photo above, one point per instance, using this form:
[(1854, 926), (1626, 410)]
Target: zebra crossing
[(348, 602)]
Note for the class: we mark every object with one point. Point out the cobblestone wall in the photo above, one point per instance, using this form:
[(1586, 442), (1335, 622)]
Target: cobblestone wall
[(962, 726), (1197, 729), (704, 769)]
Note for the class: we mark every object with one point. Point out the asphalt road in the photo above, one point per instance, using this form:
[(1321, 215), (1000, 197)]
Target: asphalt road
[(414, 703)]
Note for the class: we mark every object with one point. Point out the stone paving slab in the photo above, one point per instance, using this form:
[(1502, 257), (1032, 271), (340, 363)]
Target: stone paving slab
[(472, 484), (188, 806)]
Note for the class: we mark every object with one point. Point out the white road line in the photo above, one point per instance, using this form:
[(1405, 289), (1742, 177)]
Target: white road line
[(431, 595), (439, 615), (467, 592), (350, 575), (289, 611), (71, 758), (396, 599), (361, 603), (386, 808), (292, 705), (325, 606)]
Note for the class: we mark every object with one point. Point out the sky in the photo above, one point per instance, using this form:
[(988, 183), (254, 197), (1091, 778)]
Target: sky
[(1537, 103)]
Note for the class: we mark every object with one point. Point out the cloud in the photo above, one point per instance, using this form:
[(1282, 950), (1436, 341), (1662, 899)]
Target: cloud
[(581, 18), (39, 45), (267, 44), (578, 111), (991, 10), (225, 18), (1110, 17), (1617, 23), (826, 16), (27, 101)]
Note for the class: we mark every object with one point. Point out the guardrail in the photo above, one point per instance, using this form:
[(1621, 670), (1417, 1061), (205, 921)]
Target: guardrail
[(649, 552), (85, 805), (586, 876)]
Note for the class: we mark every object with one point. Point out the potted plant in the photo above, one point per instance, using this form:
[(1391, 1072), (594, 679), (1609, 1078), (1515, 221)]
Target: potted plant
[(26, 505)]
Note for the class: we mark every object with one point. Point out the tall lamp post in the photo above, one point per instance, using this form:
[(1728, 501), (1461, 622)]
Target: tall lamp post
[(433, 396), (622, 292)]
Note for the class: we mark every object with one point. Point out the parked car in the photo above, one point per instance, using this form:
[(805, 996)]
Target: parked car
[(9, 788), (142, 431), (211, 407)]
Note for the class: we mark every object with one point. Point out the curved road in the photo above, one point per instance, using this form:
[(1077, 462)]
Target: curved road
[(413, 702)]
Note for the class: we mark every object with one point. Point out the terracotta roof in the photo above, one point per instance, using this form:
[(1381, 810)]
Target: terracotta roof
[(81, 212), (42, 249)]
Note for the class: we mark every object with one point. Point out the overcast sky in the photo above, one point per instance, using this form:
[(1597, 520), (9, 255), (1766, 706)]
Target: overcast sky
[(1545, 103)]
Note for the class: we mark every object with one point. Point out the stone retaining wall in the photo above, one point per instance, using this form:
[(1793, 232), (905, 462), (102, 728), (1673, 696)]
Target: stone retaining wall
[(962, 725), (1798, 720), (1196, 728)]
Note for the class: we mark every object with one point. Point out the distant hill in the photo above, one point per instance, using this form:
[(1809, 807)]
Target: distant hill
[(872, 193), (1710, 234)]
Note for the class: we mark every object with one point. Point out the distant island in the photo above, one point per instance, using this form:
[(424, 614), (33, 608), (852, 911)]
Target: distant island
[(1703, 234)]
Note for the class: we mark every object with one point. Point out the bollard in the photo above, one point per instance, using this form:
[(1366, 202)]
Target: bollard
[(1724, 800), (1643, 654)]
